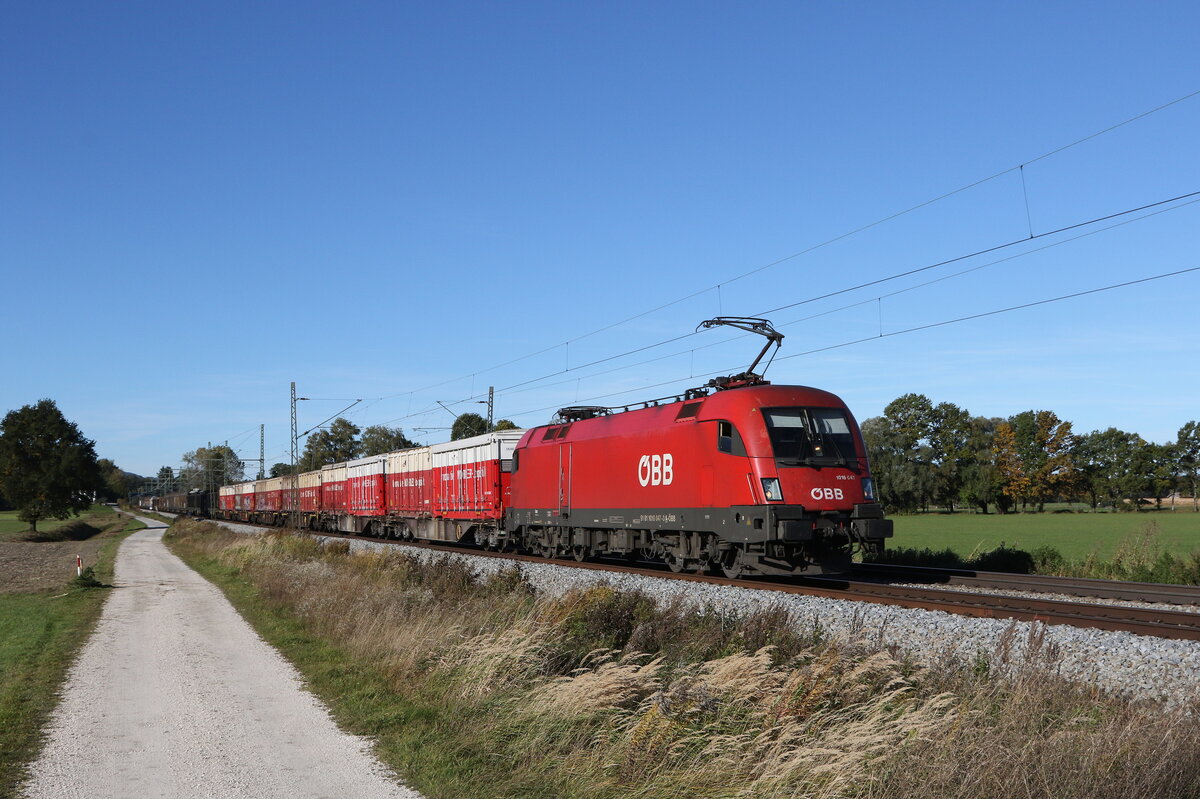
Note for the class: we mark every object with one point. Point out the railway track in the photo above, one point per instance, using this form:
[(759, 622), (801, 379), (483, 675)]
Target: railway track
[(1070, 586), (1124, 618)]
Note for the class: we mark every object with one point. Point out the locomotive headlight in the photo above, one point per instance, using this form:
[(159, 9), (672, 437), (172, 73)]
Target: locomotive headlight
[(771, 489), (868, 486)]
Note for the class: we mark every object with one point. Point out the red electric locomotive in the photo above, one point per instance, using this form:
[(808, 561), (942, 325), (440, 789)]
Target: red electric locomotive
[(759, 479), (751, 479)]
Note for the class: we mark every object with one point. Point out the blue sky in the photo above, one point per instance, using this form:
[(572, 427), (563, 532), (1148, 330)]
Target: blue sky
[(202, 202)]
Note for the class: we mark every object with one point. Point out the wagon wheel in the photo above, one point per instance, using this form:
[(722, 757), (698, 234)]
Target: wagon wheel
[(675, 563), (579, 552)]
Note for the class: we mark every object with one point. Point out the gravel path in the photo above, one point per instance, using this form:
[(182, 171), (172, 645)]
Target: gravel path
[(176, 696)]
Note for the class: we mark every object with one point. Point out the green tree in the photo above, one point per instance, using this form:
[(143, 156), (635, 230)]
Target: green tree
[(1187, 452), (209, 468), (1164, 470), (337, 444), (467, 425), (117, 482), (378, 439), (505, 424), (48, 469), (1110, 465), (979, 479), (950, 440), (281, 469), (919, 452)]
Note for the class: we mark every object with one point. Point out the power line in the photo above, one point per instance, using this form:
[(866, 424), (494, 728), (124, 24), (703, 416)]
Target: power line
[(860, 303), (891, 334), (984, 251), (1190, 197), (998, 311), (825, 243)]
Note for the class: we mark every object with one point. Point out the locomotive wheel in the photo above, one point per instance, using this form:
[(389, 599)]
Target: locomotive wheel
[(733, 565), (580, 553), (675, 564)]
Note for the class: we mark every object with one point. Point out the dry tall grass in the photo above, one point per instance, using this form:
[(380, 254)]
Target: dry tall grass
[(601, 693)]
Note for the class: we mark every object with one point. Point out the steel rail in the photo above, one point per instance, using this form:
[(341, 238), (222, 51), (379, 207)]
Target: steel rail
[(1072, 586), (1119, 618)]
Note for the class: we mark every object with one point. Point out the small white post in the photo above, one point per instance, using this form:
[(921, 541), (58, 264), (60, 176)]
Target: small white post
[(78, 566)]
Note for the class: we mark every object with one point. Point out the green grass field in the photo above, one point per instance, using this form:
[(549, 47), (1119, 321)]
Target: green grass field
[(1075, 535), (13, 529)]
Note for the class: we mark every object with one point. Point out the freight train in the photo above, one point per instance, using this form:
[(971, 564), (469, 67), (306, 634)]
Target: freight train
[(741, 478)]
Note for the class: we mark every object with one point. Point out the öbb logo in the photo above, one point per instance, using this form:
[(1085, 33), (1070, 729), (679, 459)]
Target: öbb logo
[(656, 470), (827, 493)]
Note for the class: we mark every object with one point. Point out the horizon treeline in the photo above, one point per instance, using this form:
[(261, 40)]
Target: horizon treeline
[(925, 455)]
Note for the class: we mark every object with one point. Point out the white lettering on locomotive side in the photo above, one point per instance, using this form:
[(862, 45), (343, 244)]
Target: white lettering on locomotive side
[(828, 493), (658, 469)]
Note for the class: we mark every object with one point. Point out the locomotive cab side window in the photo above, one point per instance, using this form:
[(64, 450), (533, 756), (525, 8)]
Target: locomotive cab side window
[(728, 439)]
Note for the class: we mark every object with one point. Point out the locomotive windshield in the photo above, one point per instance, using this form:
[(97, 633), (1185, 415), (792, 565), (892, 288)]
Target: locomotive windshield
[(810, 436)]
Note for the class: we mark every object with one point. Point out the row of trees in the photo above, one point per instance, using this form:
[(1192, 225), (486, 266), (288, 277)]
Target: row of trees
[(343, 441), (925, 455)]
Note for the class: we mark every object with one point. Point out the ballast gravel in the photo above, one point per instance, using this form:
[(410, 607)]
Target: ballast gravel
[(174, 695), (1124, 664)]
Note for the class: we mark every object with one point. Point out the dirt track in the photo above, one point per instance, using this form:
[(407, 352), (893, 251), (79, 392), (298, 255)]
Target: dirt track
[(176, 696)]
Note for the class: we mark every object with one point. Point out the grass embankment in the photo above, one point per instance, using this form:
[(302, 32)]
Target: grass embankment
[(485, 689), (40, 633)]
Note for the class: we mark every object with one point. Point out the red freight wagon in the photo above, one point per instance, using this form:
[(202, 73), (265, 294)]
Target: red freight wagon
[(409, 482), (471, 475), (268, 495), (333, 488), (244, 500), (227, 495), (290, 497), (310, 491), (366, 486)]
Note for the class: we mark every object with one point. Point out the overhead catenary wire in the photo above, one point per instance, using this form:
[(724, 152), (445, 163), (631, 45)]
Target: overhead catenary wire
[(878, 299), (905, 331), (820, 245), (1183, 200)]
